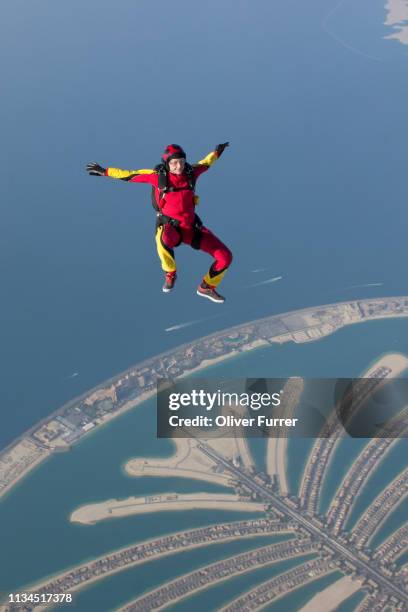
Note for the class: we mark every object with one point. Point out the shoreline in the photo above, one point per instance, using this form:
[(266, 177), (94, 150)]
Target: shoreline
[(90, 514), (51, 578), (214, 584), (295, 336), (182, 463), (289, 591), (332, 596), (49, 453), (30, 468), (276, 457), (397, 363)]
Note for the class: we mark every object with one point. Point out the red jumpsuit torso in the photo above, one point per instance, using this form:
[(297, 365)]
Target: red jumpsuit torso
[(176, 204)]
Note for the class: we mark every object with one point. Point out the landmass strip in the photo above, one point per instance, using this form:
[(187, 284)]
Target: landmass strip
[(70, 423), (231, 464), (85, 574), (198, 459)]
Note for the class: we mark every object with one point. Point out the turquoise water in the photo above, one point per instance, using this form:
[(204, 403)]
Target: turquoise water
[(344, 455), (403, 559), (311, 188), (351, 603), (46, 542), (299, 597), (216, 597), (393, 522), (297, 453), (92, 471), (391, 466), (136, 581), (73, 251), (346, 353)]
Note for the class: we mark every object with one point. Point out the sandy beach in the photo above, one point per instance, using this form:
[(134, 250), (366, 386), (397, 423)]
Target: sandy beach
[(290, 590), (99, 572), (241, 440), (396, 363), (18, 461), (239, 570), (114, 508), (258, 343), (276, 450), (208, 363), (187, 462), (332, 596)]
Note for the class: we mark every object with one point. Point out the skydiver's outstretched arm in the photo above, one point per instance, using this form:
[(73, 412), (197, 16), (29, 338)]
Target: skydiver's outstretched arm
[(134, 176), (204, 164)]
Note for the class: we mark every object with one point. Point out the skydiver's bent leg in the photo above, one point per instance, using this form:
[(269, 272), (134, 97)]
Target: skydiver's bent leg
[(166, 240), (222, 255), (209, 243)]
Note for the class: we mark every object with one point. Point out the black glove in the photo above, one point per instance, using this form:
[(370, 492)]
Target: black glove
[(95, 169), (220, 148)]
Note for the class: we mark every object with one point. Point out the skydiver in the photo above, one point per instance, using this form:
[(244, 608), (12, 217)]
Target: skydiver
[(173, 197)]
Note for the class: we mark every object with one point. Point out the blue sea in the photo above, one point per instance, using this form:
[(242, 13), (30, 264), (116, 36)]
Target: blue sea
[(312, 187), (93, 471), (312, 98)]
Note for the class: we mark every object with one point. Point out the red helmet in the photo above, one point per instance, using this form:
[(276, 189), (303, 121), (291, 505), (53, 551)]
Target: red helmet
[(172, 151)]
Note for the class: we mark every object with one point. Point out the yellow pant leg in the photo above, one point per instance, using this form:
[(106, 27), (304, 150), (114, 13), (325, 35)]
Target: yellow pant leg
[(214, 280), (165, 254)]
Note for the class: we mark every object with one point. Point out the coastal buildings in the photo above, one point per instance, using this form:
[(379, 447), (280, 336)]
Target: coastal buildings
[(334, 547)]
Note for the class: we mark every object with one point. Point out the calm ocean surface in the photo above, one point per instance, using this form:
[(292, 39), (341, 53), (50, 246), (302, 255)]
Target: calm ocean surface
[(312, 188), (92, 471), (313, 99)]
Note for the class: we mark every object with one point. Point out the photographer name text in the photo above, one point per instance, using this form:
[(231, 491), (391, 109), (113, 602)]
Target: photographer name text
[(231, 421)]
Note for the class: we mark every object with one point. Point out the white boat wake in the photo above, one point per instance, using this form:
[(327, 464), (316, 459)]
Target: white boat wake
[(274, 279), (189, 323), (341, 41)]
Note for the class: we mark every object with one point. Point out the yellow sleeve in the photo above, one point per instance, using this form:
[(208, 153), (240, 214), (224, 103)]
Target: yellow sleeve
[(209, 159), (117, 173)]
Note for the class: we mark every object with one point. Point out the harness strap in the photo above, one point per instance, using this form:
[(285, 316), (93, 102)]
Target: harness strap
[(163, 183), (164, 187), (162, 219)]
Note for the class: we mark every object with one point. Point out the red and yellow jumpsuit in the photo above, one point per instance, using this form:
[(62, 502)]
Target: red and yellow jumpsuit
[(180, 205)]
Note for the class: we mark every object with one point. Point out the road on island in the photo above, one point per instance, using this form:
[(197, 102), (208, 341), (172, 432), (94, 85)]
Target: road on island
[(265, 493)]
